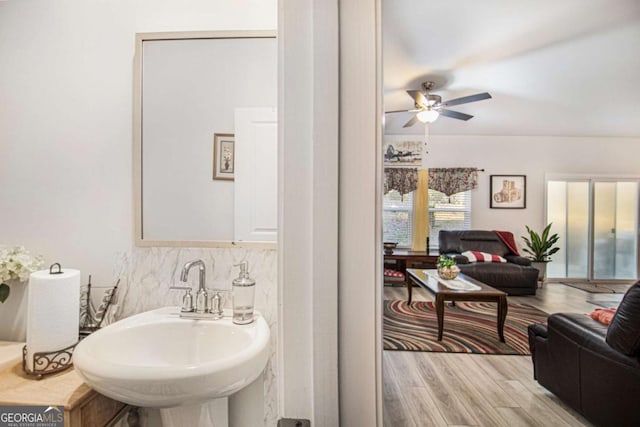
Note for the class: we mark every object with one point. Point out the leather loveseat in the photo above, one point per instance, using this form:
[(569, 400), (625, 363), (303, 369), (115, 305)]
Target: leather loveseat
[(593, 368), (515, 277)]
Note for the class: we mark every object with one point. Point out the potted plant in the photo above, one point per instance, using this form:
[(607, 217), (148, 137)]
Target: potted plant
[(447, 268), (540, 248)]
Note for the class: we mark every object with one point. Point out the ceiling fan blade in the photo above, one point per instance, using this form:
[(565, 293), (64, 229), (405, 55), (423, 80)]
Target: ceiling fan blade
[(466, 99), (455, 114), (414, 110), (411, 122), (418, 97)]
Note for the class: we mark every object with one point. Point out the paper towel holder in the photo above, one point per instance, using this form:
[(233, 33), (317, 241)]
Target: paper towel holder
[(49, 362)]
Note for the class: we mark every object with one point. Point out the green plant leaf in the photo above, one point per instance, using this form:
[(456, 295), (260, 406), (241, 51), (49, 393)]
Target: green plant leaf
[(5, 290), (540, 247), (545, 233), (445, 262)]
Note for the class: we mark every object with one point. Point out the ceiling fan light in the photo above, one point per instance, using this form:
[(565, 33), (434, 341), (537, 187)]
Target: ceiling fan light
[(428, 116)]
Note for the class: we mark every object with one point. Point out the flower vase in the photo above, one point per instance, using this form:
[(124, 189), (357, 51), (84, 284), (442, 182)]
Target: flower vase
[(13, 313)]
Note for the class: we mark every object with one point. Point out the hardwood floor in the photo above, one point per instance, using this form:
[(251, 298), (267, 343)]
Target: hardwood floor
[(444, 389)]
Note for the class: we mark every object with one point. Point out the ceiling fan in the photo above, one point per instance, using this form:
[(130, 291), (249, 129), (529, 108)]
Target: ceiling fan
[(428, 106)]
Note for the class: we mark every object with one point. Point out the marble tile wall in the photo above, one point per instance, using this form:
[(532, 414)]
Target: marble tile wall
[(147, 273)]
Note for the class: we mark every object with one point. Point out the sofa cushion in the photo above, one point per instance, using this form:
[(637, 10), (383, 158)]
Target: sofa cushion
[(499, 275), (624, 331), (458, 241), (458, 258), (475, 256), (515, 259)]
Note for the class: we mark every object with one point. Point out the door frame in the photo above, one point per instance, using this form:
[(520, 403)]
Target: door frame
[(330, 301), (360, 242)]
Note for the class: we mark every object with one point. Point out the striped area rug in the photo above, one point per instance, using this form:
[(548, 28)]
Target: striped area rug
[(469, 327)]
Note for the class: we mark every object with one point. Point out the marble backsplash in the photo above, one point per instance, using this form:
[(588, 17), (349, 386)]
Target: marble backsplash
[(147, 274)]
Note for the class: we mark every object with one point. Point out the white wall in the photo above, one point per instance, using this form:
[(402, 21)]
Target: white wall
[(66, 112), (534, 157)]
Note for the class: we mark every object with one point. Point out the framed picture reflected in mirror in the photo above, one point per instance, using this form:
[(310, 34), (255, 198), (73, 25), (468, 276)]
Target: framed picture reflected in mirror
[(223, 156)]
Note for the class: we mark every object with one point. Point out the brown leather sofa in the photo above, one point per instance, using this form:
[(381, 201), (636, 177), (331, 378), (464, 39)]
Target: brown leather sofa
[(592, 368), (515, 277)]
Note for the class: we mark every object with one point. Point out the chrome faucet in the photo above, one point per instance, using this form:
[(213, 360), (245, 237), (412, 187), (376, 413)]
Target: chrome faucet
[(202, 297)]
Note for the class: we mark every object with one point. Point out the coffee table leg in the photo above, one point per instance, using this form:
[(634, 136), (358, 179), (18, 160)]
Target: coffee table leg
[(502, 315), (409, 286), (440, 314)]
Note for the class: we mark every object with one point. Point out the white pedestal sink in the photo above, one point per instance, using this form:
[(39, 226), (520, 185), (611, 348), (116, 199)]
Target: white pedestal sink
[(157, 359)]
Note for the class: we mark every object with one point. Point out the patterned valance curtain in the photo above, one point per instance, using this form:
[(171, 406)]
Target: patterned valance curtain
[(453, 180), (403, 180)]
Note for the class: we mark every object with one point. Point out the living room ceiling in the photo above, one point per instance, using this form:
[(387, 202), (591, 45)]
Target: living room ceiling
[(558, 68)]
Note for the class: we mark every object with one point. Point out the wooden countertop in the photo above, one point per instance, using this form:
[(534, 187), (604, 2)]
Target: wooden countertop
[(62, 389)]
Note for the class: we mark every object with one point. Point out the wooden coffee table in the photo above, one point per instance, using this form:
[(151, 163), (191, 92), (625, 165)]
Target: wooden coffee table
[(443, 293)]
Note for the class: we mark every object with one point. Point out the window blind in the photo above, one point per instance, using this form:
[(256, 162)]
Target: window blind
[(397, 218), (448, 213)]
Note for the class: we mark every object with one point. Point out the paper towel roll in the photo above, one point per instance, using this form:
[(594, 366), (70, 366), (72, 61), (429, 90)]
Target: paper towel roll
[(53, 312)]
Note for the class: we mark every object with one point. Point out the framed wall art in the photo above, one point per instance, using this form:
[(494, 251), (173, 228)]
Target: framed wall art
[(223, 156), (402, 153), (508, 192)]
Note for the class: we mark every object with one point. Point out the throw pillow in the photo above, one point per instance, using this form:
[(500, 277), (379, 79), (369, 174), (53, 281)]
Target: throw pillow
[(624, 332), (393, 274), (603, 315), (476, 256)]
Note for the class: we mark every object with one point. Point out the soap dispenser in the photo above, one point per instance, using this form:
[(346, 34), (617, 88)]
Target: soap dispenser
[(244, 288)]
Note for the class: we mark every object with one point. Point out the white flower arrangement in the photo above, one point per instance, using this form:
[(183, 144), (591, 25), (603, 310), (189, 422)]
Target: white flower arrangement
[(16, 263)]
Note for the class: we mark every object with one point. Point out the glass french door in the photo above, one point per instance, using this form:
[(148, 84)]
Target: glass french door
[(597, 220)]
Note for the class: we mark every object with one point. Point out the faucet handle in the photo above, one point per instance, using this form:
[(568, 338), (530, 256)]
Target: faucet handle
[(223, 293), (218, 301), (187, 299)]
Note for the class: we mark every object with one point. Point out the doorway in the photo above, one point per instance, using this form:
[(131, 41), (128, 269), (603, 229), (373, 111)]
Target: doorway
[(597, 221)]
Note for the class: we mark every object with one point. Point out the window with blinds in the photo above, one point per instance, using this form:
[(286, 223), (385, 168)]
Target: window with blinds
[(445, 213), (448, 213), (397, 218)]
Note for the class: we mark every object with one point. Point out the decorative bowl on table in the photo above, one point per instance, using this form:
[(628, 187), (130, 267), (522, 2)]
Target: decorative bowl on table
[(447, 268), (389, 247), (449, 273)]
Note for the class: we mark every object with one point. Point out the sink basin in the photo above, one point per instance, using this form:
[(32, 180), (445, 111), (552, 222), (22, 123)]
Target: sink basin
[(156, 359)]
